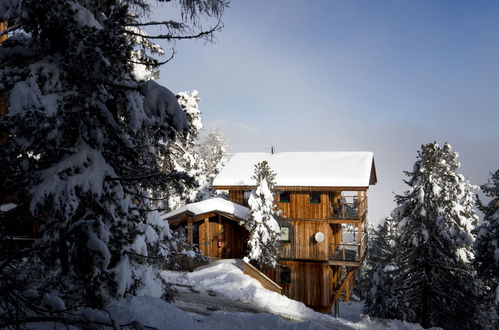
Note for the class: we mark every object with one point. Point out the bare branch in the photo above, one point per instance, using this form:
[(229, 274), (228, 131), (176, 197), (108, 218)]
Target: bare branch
[(201, 34), (168, 24)]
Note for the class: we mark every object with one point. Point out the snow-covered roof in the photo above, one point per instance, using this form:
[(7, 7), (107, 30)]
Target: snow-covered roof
[(215, 204), (310, 169)]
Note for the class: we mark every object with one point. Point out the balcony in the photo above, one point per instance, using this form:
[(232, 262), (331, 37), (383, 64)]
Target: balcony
[(348, 253), (349, 208)]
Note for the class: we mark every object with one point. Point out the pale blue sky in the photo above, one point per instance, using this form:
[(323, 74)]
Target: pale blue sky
[(383, 76)]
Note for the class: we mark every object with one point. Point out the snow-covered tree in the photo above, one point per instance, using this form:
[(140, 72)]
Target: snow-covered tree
[(434, 284), (380, 301), (84, 134), (213, 149), (182, 156), (487, 243), (263, 228)]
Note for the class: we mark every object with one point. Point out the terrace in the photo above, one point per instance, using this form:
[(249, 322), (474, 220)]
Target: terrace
[(350, 253), (349, 208)]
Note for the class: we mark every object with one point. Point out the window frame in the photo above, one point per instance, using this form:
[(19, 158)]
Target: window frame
[(288, 227)]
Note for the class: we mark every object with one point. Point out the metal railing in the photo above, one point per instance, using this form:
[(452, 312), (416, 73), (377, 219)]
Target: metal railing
[(352, 210), (349, 251)]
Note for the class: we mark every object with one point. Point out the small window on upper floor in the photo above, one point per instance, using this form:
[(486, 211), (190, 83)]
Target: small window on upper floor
[(315, 197), (284, 197)]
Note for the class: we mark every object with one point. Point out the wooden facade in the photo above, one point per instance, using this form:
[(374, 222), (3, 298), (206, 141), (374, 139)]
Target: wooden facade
[(323, 202), (320, 272), (220, 237)]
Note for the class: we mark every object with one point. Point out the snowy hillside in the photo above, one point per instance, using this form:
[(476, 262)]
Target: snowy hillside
[(220, 296)]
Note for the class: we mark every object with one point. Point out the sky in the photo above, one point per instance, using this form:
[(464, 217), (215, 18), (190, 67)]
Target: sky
[(382, 76)]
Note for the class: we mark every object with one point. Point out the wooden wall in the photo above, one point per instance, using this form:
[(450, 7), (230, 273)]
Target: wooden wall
[(231, 235), (299, 206), (303, 244), (311, 283), (237, 196)]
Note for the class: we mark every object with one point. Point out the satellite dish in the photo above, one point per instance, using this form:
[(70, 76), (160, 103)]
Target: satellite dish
[(319, 237)]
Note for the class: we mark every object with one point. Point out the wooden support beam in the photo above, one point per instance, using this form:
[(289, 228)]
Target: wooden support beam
[(190, 236), (342, 286), (207, 236), (349, 288)]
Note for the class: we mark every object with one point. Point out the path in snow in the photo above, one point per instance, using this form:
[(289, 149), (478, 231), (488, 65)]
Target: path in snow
[(204, 303)]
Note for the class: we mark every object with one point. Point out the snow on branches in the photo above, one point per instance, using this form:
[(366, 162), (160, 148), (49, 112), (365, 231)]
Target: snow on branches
[(84, 135), (263, 229), (487, 244), (434, 284)]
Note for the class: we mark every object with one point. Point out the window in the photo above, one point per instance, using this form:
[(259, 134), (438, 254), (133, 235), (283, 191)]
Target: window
[(284, 197), (315, 197), (285, 234), (285, 275)]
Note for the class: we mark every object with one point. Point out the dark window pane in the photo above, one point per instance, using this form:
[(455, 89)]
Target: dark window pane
[(285, 274), (284, 197), (315, 197)]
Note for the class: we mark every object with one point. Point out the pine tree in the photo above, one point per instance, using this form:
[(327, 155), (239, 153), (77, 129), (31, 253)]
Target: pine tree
[(263, 229), (84, 135), (487, 244), (380, 301), (434, 284)]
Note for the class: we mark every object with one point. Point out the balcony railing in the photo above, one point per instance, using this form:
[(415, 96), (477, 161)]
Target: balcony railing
[(349, 251), (349, 210)]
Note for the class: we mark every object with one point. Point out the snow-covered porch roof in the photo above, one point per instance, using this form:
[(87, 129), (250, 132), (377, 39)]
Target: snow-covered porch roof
[(302, 169), (207, 208)]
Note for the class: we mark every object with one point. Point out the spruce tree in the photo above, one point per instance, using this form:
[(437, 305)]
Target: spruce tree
[(263, 229), (487, 246), (434, 284), (380, 300), (84, 134)]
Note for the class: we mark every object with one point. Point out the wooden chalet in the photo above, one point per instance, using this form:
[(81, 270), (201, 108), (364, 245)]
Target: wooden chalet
[(324, 202), (213, 225)]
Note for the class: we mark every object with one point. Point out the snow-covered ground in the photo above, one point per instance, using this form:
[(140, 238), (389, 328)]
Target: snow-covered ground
[(220, 296)]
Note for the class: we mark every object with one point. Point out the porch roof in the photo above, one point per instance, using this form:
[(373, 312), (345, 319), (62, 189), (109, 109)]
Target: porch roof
[(215, 205)]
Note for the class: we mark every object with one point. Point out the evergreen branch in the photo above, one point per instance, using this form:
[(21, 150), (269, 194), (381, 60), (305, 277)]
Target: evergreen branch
[(452, 268), (135, 178), (154, 62)]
